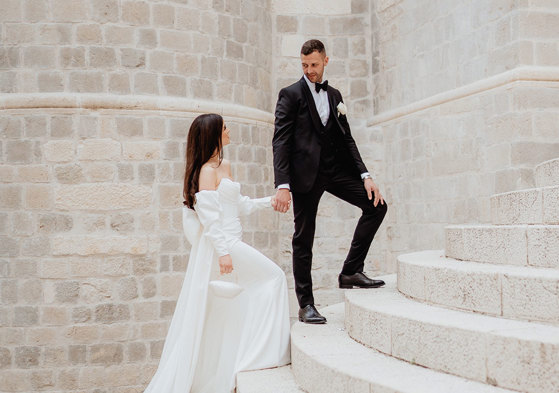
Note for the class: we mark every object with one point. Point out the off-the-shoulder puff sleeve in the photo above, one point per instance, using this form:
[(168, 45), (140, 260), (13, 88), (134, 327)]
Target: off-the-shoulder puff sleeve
[(248, 205), (209, 213)]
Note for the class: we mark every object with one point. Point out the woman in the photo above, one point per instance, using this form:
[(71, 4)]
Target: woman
[(211, 337)]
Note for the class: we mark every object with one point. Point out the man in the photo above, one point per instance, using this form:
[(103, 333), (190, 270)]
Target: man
[(314, 152)]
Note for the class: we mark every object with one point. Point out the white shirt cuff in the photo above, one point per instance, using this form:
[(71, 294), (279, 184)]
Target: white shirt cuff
[(364, 175), (286, 185)]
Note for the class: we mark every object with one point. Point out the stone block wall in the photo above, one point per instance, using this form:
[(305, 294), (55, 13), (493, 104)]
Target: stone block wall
[(203, 49), (445, 162), (92, 252), (465, 100), (422, 48), (344, 29), (449, 102), (97, 98)]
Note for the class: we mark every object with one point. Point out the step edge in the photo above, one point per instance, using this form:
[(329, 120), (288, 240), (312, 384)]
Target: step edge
[(485, 267), (529, 337), (419, 371), (508, 325), (524, 190)]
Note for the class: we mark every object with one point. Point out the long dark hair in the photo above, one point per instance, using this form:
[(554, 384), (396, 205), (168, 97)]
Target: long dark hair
[(204, 138)]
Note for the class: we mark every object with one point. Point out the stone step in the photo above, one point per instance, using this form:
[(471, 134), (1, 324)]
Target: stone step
[(515, 292), (326, 360), (509, 354), (531, 206), (271, 380), (523, 245), (547, 173)]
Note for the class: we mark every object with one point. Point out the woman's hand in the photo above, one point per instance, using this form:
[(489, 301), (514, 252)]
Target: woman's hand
[(225, 264)]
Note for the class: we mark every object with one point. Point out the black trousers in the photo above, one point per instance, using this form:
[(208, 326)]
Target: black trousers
[(348, 187)]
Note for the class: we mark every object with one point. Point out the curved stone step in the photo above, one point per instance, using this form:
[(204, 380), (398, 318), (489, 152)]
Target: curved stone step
[(510, 354), (271, 380), (326, 360), (531, 245), (514, 292), (532, 206), (547, 173)]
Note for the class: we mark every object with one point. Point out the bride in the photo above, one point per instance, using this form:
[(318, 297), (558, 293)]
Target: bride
[(232, 312)]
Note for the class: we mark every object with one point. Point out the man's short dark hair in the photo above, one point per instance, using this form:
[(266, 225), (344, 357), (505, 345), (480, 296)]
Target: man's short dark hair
[(312, 45)]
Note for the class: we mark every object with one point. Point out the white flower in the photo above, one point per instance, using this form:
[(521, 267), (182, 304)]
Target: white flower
[(342, 109)]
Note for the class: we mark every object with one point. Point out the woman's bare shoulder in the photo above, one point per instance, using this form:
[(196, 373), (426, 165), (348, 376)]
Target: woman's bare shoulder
[(208, 177), (227, 167)]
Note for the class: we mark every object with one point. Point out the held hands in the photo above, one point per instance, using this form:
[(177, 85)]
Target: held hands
[(282, 200), (225, 264), (371, 189)]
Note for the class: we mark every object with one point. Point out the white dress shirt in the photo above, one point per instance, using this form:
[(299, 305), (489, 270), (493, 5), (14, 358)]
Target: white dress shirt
[(320, 101)]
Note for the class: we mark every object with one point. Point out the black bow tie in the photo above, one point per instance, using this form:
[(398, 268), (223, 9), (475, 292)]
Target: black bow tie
[(323, 86)]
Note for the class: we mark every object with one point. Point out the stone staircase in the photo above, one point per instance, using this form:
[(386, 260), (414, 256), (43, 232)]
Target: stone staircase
[(481, 317)]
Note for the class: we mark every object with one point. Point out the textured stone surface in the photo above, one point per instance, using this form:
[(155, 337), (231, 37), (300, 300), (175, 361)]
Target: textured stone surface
[(103, 197), (551, 205), (518, 207), (465, 289), (511, 291), (460, 343), (547, 174), (325, 359), (523, 359), (313, 6), (489, 244), (84, 245), (412, 281), (448, 349), (275, 380), (99, 149), (96, 252), (534, 297), (98, 174), (543, 246), (59, 151), (101, 48), (141, 151)]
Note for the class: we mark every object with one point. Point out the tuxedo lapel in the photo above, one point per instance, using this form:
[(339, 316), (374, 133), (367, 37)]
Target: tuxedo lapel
[(334, 108), (310, 102)]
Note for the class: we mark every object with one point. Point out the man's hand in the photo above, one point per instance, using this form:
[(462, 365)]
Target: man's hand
[(282, 200), (371, 189), (225, 264)]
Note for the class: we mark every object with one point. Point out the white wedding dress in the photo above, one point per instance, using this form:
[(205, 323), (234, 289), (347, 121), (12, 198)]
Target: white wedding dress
[(212, 338)]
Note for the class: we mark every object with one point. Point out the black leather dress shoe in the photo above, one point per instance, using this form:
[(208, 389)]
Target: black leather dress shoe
[(309, 314), (359, 280)]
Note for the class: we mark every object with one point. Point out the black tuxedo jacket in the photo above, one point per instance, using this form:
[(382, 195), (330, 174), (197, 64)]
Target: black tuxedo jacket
[(296, 141)]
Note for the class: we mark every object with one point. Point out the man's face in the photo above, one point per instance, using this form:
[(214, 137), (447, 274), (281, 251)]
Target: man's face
[(313, 65)]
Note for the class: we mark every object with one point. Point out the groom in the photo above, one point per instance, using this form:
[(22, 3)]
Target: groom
[(314, 152)]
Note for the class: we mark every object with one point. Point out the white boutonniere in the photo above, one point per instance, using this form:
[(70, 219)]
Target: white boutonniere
[(342, 109)]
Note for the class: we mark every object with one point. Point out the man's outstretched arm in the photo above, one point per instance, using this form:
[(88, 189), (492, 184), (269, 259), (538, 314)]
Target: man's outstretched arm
[(281, 144)]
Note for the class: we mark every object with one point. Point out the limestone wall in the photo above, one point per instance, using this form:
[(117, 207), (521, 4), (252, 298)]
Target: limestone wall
[(449, 102), (343, 27), (97, 98), (203, 49), (421, 48), (91, 244), (466, 102)]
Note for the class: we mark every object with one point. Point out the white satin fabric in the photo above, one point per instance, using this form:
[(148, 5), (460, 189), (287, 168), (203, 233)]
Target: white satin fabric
[(212, 338)]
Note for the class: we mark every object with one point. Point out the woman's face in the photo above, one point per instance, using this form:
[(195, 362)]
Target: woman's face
[(225, 140)]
